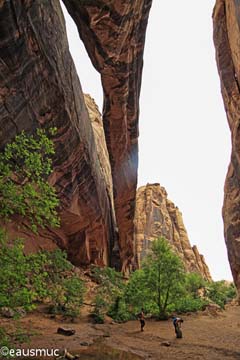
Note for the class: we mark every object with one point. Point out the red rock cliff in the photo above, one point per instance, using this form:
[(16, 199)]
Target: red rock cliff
[(226, 23), (157, 216), (114, 33), (39, 87)]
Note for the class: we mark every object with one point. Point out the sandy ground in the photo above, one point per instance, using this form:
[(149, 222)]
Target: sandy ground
[(204, 336)]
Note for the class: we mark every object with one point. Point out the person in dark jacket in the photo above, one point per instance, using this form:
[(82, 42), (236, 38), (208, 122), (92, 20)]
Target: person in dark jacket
[(141, 317), (177, 321)]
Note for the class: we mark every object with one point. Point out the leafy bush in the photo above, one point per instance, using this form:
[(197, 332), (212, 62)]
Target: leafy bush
[(99, 310), (110, 295), (67, 296), (26, 279), (120, 311), (14, 290), (191, 300), (193, 283), (25, 165), (188, 303), (5, 339), (221, 292)]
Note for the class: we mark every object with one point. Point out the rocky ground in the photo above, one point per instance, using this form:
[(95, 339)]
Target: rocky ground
[(205, 336)]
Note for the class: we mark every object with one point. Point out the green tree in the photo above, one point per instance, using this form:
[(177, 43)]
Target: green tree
[(160, 281), (164, 275), (136, 292), (25, 165)]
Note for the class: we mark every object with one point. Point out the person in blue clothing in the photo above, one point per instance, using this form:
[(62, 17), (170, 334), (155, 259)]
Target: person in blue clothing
[(177, 321)]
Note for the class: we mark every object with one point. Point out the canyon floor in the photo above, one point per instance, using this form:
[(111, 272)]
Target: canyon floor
[(205, 336)]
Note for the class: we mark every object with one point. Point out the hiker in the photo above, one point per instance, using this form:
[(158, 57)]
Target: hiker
[(177, 326), (141, 318)]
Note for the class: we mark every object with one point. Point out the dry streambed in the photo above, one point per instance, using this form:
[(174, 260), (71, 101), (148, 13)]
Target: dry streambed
[(204, 337)]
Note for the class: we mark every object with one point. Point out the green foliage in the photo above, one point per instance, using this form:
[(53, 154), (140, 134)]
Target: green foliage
[(188, 303), (27, 279), (193, 283), (38, 274), (99, 309), (67, 296), (14, 289), (4, 338), (136, 293), (191, 299), (74, 291), (25, 165), (161, 287), (155, 287), (120, 311), (110, 295), (163, 278), (220, 292)]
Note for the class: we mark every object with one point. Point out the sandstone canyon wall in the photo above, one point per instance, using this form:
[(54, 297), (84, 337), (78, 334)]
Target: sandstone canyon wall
[(157, 216), (114, 34), (39, 87), (226, 23)]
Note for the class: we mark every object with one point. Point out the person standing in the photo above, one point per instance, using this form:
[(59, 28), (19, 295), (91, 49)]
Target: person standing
[(141, 317)]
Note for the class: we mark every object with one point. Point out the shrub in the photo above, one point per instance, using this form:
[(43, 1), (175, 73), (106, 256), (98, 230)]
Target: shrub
[(193, 283), (99, 310), (25, 165), (67, 298), (221, 292), (110, 294), (119, 311), (188, 303), (25, 279), (14, 290), (4, 338)]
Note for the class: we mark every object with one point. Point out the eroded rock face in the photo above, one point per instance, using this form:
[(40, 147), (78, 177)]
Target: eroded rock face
[(103, 156), (113, 33), (226, 22), (39, 87), (100, 141), (157, 216)]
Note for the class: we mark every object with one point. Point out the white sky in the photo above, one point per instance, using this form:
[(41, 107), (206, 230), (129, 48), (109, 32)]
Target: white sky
[(184, 139)]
